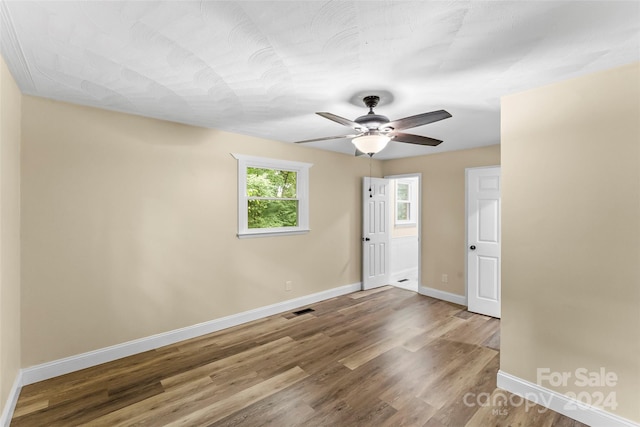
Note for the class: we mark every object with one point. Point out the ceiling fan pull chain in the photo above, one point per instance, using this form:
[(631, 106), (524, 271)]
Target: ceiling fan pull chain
[(370, 192)]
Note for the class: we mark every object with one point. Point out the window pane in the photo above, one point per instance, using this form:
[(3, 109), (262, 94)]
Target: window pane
[(403, 212), (272, 213), (263, 182), (403, 192)]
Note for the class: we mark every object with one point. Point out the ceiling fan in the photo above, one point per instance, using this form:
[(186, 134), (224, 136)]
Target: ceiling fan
[(374, 131)]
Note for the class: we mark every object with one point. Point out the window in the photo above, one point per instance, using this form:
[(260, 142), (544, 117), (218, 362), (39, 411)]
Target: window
[(404, 206), (273, 196)]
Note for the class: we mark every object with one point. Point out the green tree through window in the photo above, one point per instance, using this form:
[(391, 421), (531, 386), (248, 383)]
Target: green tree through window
[(271, 198)]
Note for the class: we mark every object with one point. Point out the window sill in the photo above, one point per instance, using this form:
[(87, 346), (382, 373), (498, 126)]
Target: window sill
[(251, 235)]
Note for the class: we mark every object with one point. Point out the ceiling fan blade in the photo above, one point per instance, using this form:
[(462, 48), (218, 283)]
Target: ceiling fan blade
[(359, 153), (418, 120), (325, 138), (341, 120), (415, 139)]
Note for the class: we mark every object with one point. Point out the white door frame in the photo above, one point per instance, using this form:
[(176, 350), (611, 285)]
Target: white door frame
[(418, 219), (466, 228)]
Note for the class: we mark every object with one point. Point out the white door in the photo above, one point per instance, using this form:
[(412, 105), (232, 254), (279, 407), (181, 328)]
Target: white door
[(375, 232), (483, 241)]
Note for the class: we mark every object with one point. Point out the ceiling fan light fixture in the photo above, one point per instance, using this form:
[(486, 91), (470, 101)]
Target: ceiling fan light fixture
[(371, 143)]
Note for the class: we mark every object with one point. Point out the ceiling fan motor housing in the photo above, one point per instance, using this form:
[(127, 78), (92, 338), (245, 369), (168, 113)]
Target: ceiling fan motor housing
[(372, 121)]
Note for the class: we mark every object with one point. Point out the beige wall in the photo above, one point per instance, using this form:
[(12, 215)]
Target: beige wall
[(10, 110), (130, 228), (443, 210), (571, 231)]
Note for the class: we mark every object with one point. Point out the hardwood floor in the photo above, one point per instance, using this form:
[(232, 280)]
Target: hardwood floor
[(385, 357)]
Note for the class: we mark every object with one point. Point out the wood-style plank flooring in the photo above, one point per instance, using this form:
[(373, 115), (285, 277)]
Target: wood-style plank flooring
[(385, 357)]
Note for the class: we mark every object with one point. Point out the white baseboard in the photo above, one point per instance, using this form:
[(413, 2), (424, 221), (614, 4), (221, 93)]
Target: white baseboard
[(586, 414), (12, 399), (58, 367), (443, 295)]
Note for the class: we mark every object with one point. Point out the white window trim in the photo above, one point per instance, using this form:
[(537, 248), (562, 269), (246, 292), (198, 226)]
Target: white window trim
[(410, 202), (302, 170)]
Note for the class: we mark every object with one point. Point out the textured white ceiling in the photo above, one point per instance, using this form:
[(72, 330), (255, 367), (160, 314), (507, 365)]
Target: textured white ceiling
[(263, 68)]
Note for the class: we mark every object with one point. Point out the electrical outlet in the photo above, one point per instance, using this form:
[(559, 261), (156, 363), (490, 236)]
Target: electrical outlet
[(445, 278), (288, 285)]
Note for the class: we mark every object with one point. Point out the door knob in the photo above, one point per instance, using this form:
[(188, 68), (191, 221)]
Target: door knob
[(365, 239), (472, 247)]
